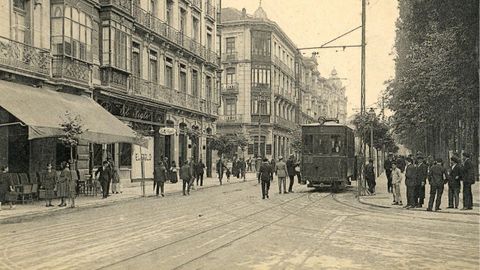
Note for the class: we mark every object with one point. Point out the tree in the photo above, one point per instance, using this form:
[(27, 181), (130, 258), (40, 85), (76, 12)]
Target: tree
[(296, 141), (227, 144), (72, 128), (381, 132)]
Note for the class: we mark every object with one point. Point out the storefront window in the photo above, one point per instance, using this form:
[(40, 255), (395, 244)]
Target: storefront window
[(125, 154)]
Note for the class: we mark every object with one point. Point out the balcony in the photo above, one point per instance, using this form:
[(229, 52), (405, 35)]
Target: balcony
[(284, 123), (282, 93), (23, 58), (261, 57), (197, 4), (262, 118), (71, 69), (236, 118), (210, 11), (261, 87), (229, 56), (123, 5), (230, 88), (279, 63), (114, 78)]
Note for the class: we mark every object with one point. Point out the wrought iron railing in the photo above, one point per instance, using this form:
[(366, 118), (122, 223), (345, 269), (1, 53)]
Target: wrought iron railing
[(231, 88), (280, 91), (229, 56), (21, 57), (210, 10), (235, 118), (71, 69), (124, 5), (285, 123)]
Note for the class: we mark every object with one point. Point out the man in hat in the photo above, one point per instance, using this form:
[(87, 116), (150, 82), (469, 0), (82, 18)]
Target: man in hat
[(388, 171), (436, 177), (370, 176), (291, 172), (265, 174), (281, 170), (410, 181), (422, 174), (468, 181), (454, 182)]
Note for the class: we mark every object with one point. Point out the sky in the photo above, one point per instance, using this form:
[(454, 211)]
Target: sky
[(311, 23)]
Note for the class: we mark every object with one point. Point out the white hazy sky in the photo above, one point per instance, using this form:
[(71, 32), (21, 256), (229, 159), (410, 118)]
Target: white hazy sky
[(311, 23)]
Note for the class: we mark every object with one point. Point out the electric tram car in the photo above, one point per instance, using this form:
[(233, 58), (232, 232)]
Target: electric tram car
[(328, 155)]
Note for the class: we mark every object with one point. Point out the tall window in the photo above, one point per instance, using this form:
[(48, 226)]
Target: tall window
[(183, 20), (260, 106), (169, 12), (195, 83), (231, 76), (230, 106), (209, 39), (230, 45), (136, 59), (261, 43), (125, 155), (153, 67), (183, 79), (74, 37), (116, 46), (21, 21), (153, 8), (208, 87), (261, 75), (195, 29), (169, 72)]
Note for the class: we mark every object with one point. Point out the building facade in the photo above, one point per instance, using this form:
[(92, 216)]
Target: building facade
[(259, 93), (151, 64)]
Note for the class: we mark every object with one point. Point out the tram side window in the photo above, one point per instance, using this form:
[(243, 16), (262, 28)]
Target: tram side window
[(307, 144), (321, 144), (337, 145)]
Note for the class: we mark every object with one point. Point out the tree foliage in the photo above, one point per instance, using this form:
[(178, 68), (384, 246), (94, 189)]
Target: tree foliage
[(72, 127), (228, 144), (381, 132), (434, 94), (296, 141)]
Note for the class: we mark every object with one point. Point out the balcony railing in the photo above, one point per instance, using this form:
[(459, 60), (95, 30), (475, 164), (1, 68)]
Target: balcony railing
[(261, 57), (282, 66), (210, 11), (124, 5), (230, 88), (230, 56), (285, 123), (280, 91), (114, 78), (262, 118), (197, 4), (24, 58), (236, 118), (71, 69)]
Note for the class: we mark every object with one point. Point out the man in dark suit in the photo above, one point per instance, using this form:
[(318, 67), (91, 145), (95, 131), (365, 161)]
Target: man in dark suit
[(199, 171), (370, 176), (291, 172), (468, 181), (388, 171), (105, 176), (437, 178), (265, 175), (422, 174), (220, 169), (410, 182), (454, 182)]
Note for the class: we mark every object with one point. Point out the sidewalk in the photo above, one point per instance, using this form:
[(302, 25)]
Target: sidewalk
[(37, 208), (384, 199)]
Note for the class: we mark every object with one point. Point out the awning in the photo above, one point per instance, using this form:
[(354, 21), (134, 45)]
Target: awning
[(43, 111)]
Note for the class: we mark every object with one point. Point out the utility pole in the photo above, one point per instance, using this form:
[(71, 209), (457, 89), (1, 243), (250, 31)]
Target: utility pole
[(362, 185)]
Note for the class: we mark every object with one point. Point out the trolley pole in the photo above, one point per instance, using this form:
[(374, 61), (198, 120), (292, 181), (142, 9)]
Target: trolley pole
[(361, 184)]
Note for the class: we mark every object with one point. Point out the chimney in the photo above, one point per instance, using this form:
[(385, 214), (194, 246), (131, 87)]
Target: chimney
[(244, 13)]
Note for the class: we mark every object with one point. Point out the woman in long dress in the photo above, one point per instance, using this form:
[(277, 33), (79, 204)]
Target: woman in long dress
[(63, 182), (48, 180), (6, 188)]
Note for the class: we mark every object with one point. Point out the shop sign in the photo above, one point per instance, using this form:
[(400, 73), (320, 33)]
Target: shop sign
[(167, 131)]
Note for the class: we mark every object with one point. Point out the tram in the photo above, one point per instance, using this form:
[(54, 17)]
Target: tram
[(328, 154)]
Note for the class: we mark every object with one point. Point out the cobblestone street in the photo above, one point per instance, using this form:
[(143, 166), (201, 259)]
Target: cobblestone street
[(231, 227)]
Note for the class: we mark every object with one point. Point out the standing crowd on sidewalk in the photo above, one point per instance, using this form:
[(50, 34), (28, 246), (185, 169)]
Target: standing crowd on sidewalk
[(416, 172)]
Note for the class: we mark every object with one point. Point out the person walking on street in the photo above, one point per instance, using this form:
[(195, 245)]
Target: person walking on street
[(7, 191), (265, 173), (291, 172), (454, 182), (48, 179), (281, 170), (243, 168), (258, 163), (72, 185), (186, 176), (437, 179), (410, 181), (388, 172), (159, 177), (422, 174), (172, 174), (220, 169), (468, 181), (115, 181), (370, 176), (397, 179), (199, 171), (104, 172)]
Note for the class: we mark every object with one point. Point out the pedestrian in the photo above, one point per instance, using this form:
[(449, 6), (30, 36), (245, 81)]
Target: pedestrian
[(454, 181), (186, 176), (258, 163), (370, 176), (220, 169), (115, 181), (63, 183), (468, 181), (249, 163), (291, 172), (110, 166), (388, 172), (243, 168), (235, 168), (104, 172), (422, 174), (410, 182), (48, 179), (173, 173), (265, 173), (71, 185), (298, 172), (401, 164), (159, 177), (437, 178), (199, 171), (7, 191), (397, 178), (281, 171)]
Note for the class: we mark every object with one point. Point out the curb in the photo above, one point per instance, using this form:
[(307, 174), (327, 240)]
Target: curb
[(415, 209), (57, 211)]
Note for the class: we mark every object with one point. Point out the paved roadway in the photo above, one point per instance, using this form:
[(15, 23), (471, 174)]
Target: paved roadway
[(231, 227)]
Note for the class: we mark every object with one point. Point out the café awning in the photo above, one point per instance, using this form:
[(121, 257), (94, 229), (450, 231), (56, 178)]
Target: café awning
[(43, 111)]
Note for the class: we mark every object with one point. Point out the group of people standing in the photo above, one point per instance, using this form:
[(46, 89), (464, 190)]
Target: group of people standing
[(189, 172), (237, 168), (415, 171), (282, 170)]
